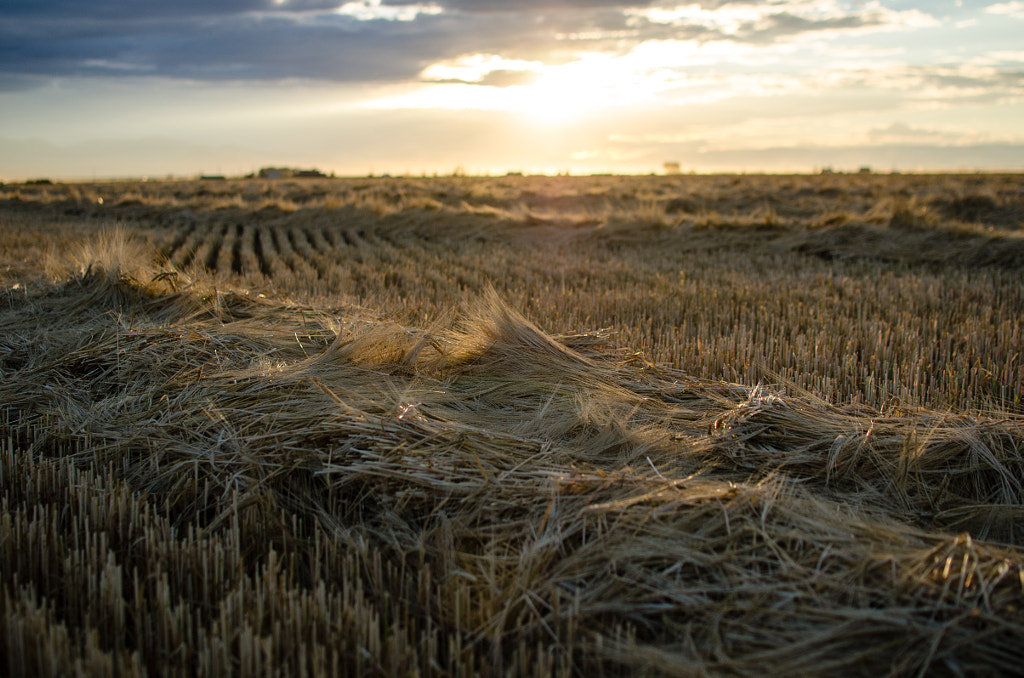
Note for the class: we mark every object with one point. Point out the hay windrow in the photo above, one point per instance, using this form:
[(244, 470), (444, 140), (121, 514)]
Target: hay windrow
[(196, 479), (873, 289), (957, 471)]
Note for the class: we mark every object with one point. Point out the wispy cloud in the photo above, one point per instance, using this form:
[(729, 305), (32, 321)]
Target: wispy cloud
[(365, 10), (902, 133), (479, 68), (1013, 9)]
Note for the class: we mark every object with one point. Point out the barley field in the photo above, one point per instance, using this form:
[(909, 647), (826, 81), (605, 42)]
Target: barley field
[(582, 426)]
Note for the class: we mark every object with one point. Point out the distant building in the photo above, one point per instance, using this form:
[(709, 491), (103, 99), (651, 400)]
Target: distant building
[(671, 168), (288, 172)]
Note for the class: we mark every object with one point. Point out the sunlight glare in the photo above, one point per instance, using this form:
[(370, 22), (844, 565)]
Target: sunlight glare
[(545, 94), (554, 95), (564, 93)]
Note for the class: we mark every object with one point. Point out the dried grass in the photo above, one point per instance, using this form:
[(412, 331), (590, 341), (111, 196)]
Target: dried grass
[(880, 290), (200, 480)]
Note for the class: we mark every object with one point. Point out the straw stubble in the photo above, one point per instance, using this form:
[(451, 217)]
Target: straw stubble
[(197, 479)]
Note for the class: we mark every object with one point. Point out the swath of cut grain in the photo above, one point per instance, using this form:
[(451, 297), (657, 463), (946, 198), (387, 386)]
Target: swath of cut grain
[(359, 495), (725, 300)]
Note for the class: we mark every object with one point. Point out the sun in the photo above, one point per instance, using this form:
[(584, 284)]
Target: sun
[(554, 101), (565, 93)]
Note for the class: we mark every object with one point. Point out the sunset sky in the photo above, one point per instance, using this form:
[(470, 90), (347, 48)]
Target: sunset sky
[(145, 87)]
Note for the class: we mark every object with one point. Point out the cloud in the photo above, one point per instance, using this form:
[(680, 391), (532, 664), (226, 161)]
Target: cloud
[(934, 84), (1013, 9), (373, 40), (131, 10), (761, 23), (354, 41), (902, 133), (901, 130), (482, 69), (776, 26), (266, 46), (17, 82), (496, 78), (365, 10), (507, 6), (508, 78), (988, 79)]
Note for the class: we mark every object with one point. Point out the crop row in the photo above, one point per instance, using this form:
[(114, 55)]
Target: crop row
[(237, 249), (855, 330), (330, 260)]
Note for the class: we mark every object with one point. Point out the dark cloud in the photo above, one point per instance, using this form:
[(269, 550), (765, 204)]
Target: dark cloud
[(306, 39), (785, 23), (245, 46), (340, 49), (16, 82), (126, 10), (247, 40), (782, 24), (951, 79)]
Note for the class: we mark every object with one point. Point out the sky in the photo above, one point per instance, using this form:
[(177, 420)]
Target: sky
[(131, 88)]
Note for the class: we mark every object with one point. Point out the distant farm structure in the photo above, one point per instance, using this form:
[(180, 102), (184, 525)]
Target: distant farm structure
[(289, 173)]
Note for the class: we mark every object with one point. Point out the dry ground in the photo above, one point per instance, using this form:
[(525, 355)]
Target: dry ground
[(752, 424)]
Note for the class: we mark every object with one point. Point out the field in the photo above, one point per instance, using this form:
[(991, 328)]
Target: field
[(664, 425)]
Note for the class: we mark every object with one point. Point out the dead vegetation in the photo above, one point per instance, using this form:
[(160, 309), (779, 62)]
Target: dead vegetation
[(204, 477), (883, 290)]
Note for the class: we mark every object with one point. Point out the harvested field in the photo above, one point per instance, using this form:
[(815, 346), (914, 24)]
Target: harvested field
[(513, 426)]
